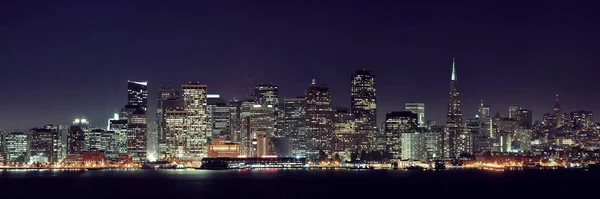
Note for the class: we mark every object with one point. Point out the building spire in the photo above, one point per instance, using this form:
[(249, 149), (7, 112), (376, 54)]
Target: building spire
[(314, 81), (453, 70)]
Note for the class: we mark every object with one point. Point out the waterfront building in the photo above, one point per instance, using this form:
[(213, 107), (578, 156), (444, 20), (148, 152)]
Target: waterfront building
[(262, 127), (223, 148), (119, 128), (219, 116), (413, 146), (345, 138), (168, 98), (293, 125), (44, 143), (175, 133), (17, 147), (137, 131)]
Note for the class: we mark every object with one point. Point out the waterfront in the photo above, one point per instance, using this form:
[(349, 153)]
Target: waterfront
[(280, 183)]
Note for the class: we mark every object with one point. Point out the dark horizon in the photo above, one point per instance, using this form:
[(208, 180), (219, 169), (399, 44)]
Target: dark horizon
[(69, 59)]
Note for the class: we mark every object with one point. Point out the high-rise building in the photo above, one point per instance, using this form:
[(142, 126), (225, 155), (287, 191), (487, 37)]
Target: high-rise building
[(582, 119), (119, 127), (137, 94), (319, 118), (43, 144), (219, 116), (455, 138), (363, 104), (175, 134), (419, 109), (345, 139), (414, 146), (102, 140), (262, 128), (395, 124), (266, 94), (512, 111), (76, 137), (137, 131), (197, 120), (17, 147), (235, 121), (168, 98), (293, 125), (246, 134), (524, 118), (557, 113)]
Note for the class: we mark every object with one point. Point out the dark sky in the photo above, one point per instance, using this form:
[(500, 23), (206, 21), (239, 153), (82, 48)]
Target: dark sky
[(68, 58)]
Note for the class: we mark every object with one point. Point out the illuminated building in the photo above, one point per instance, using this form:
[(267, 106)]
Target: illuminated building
[(175, 132), (119, 127), (93, 156), (262, 127), (137, 130), (419, 109), (524, 118), (246, 134), (522, 140), (219, 116), (549, 119), (137, 94), (102, 140), (557, 113), (433, 143), (222, 148), (293, 125), (197, 120), (168, 98), (345, 138), (235, 121), (267, 94), (397, 123), (76, 137), (582, 119), (481, 141), (512, 111), (413, 146), (44, 143), (17, 147), (363, 104), (455, 139), (319, 118)]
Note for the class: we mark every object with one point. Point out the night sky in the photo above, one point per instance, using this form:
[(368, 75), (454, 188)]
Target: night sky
[(62, 60)]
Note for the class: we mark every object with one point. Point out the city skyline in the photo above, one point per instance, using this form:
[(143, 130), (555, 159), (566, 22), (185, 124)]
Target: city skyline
[(82, 58)]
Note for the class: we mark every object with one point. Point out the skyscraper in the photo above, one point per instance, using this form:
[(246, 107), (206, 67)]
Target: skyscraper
[(557, 113), (17, 147), (168, 98), (397, 123), (175, 133), (137, 94), (363, 104), (137, 135), (197, 120), (293, 124), (525, 118), (44, 143), (319, 118), (262, 128), (512, 110), (219, 116), (454, 138), (266, 94), (419, 109), (76, 137)]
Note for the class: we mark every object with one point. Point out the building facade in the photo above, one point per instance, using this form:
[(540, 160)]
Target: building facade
[(319, 115), (363, 105), (197, 120)]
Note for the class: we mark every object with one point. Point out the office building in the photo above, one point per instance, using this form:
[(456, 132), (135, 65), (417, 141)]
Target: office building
[(395, 124), (119, 128), (219, 116), (524, 118), (419, 109), (223, 148), (137, 131), (137, 94), (345, 139), (582, 119), (512, 111), (293, 125), (413, 146), (17, 147), (175, 134), (197, 120), (267, 94), (455, 139), (168, 98), (363, 104), (262, 127), (76, 137), (319, 118), (44, 144)]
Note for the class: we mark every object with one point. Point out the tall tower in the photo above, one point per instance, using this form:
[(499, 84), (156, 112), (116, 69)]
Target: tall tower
[(557, 113), (168, 99), (454, 123), (363, 104), (197, 120), (319, 117), (137, 94)]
